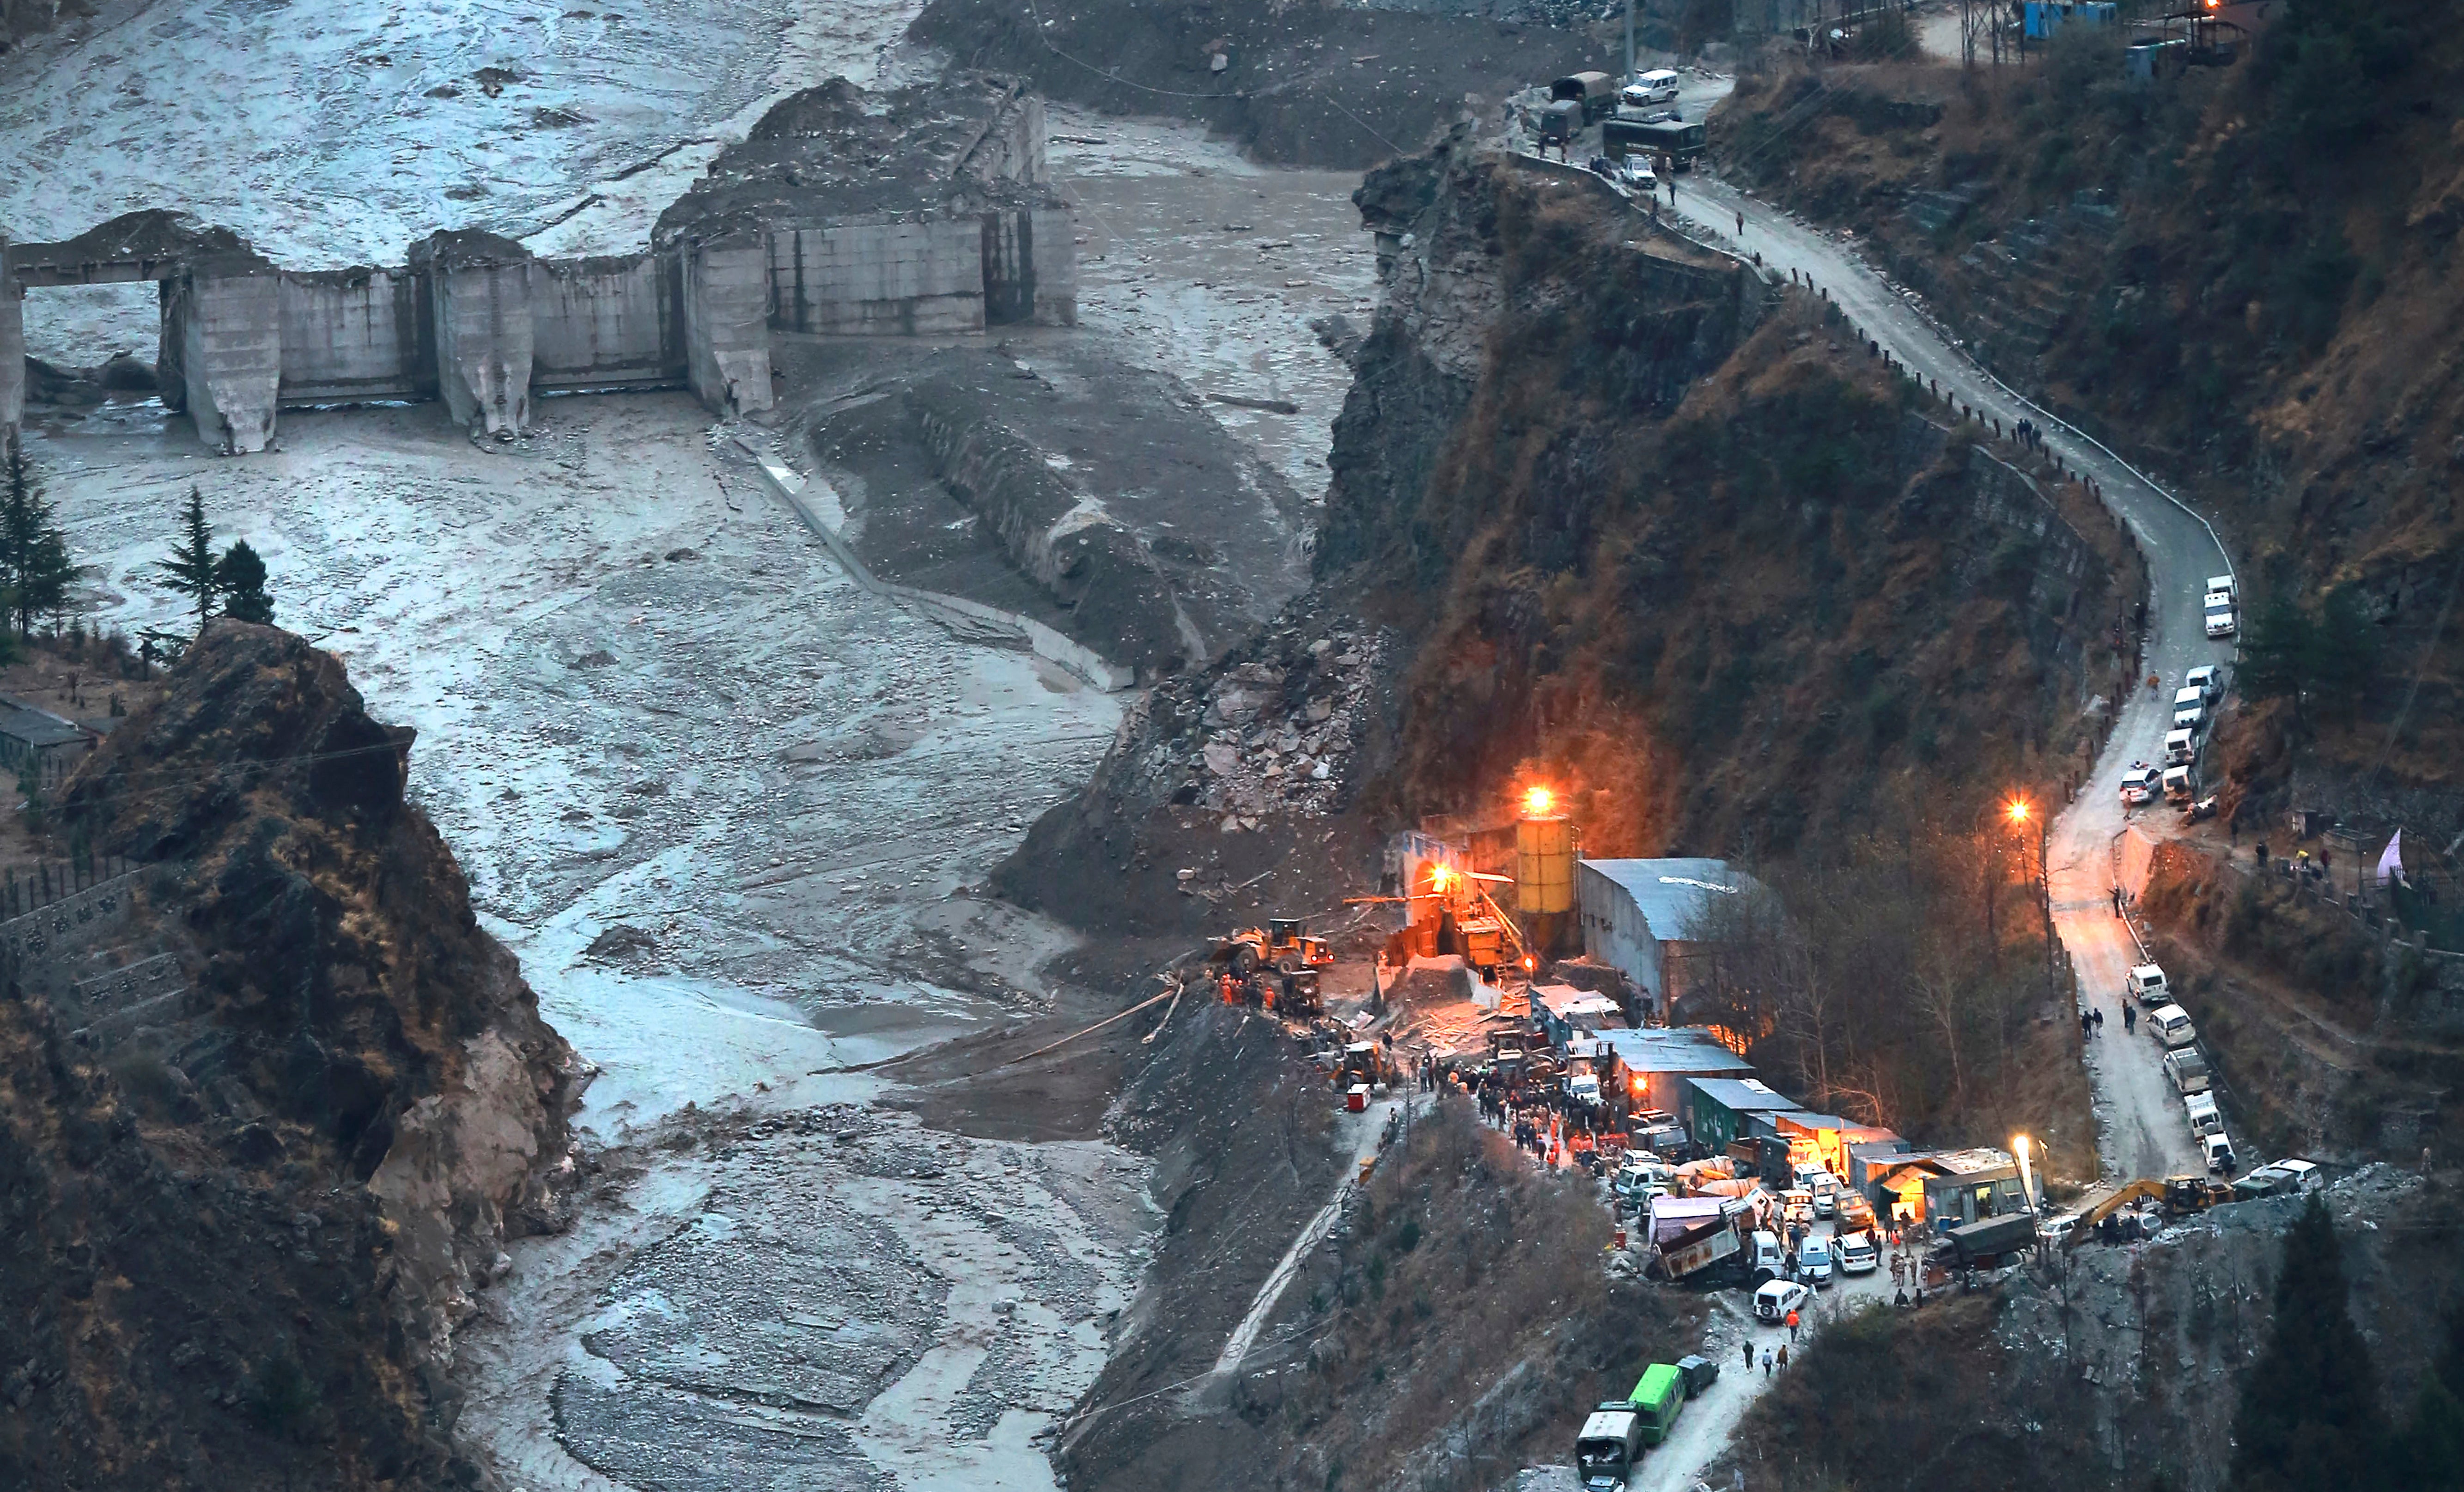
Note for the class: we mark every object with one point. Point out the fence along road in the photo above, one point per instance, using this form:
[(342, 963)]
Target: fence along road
[(2140, 1127)]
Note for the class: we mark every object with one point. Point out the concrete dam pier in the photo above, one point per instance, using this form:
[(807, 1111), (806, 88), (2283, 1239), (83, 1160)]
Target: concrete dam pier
[(806, 230)]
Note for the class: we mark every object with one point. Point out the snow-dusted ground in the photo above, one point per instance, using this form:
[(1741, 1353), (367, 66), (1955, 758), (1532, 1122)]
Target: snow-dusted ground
[(331, 133)]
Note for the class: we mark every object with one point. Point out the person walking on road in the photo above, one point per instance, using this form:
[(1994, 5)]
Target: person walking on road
[(1792, 1326), (2130, 1020), (1783, 1357), (1741, 222), (1749, 1345), (1766, 1362)]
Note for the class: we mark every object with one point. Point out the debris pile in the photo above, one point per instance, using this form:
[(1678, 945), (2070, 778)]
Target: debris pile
[(1278, 728)]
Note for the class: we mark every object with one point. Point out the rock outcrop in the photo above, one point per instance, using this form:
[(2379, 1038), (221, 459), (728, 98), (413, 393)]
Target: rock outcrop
[(272, 1120)]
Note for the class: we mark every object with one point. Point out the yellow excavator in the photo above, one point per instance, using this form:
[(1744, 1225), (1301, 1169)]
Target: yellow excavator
[(2181, 1197)]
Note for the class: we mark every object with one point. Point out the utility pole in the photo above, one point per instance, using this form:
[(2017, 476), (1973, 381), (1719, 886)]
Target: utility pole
[(2045, 883), (1629, 45)]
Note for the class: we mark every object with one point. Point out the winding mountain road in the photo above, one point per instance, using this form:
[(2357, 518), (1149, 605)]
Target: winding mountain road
[(2140, 1127)]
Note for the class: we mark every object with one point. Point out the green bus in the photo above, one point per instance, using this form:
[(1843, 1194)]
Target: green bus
[(1657, 1399)]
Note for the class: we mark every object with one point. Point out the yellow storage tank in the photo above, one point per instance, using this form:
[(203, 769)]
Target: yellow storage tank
[(1544, 865)]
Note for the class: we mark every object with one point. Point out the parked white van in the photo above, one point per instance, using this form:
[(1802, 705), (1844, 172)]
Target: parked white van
[(2181, 748), (2206, 679), (2188, 1071), (2145, 983), (2189, 709), (2201, 1107), (2217, 584), (2218, 609), (2177, 784), (2171, 1025)]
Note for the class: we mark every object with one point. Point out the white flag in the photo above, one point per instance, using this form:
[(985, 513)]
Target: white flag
[(2391, 863)]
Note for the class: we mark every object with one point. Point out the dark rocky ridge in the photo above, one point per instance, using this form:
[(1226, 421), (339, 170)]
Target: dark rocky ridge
[(252, 1208)]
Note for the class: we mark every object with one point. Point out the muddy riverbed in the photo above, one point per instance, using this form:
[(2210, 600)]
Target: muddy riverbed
[(729, 809)]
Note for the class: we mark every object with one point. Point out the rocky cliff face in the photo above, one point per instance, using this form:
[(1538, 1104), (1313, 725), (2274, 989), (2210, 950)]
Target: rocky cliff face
[(276, 1102), (1614, 511), (2144, 1347)]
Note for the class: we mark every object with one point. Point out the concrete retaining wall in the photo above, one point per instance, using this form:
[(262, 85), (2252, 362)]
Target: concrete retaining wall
[(802, 498), (727, 325), (605, 324), (1054, 253), (351, 336), (904, 279), (230, 333), (484, 344), (476, 321)]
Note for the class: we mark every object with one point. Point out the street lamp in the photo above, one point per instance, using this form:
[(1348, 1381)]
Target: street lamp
[(2019, 1147), (2020, 811)]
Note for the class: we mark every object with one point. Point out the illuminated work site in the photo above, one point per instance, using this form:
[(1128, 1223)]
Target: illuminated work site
[(904, 744)]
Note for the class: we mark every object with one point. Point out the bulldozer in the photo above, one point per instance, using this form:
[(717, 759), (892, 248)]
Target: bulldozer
[(1284, 944), (2180, 1197)]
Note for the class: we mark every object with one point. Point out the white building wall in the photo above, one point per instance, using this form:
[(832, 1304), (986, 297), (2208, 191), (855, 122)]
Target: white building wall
[(1615, 932)]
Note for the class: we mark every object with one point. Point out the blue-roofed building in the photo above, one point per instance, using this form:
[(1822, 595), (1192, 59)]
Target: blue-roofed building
[(1641, 915), (1653, 1065)]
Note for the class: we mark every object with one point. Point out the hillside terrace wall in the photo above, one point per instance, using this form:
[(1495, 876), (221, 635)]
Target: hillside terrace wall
[(487, 327)]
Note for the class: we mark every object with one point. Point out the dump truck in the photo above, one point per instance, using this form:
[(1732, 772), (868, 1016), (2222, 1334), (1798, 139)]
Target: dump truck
[(1988, 1239)]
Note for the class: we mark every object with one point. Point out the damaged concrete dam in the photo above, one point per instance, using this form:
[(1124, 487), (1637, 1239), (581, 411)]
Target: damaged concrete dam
[(927, 211)]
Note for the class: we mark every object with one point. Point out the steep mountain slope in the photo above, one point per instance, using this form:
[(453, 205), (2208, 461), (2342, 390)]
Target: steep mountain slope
[(275, 1103), (2246, 278)]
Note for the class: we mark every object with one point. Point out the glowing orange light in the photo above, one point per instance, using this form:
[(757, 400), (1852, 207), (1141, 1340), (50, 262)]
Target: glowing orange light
[(2018, 810), (1536, 801), (1527, 964), (1440, 878)]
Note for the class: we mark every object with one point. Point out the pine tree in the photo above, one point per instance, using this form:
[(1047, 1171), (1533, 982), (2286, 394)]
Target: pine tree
[(190, 569), (2278, 654), (33, 552), (2310, 1415), (241, 577), (2344, 653), (2430, 1455)]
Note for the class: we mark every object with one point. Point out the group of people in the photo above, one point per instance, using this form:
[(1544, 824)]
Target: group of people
[(2092, 1022)]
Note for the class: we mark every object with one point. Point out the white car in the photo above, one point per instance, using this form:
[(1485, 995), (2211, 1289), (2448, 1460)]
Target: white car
[(2218, 609), (1857, 1254), (2206, 679), (2189, 709), (1814, 1265), (1659, 86), (1775, 1300), (2219, 1152), (2139, 785), (2145, 983), (1797, 1205), (2223, 585), (1636, 171), (2181, 748)]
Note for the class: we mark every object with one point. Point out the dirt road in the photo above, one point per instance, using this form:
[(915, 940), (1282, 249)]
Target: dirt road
[(1708, 1423), (2140, 1131)]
